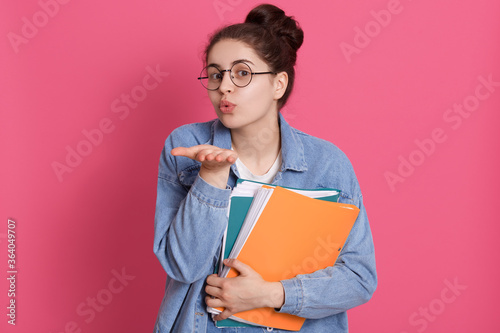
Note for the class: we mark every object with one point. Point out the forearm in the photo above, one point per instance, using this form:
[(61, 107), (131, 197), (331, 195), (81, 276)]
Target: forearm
[(327, 292), (188, 233)]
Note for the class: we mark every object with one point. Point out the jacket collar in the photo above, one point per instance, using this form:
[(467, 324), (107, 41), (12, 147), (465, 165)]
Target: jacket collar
[(292, 148)]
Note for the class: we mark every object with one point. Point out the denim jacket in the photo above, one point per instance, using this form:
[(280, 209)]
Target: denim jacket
[(190, 220)]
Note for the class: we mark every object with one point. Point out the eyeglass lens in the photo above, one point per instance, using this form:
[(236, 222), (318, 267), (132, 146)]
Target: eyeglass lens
[(241, 75)]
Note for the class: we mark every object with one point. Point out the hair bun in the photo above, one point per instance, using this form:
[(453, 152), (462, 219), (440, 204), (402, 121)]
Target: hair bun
[(280, 25)]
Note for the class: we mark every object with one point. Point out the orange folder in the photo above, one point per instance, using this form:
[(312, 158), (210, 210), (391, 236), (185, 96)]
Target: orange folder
[(294, 235)]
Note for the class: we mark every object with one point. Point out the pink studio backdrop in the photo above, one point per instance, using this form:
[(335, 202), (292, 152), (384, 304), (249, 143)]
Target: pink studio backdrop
[(89, 90)]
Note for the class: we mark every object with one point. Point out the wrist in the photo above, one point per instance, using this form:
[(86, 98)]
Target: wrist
[(275, 295), (217, 178)]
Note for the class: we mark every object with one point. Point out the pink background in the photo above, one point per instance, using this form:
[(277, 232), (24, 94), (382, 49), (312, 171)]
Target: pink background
[(433, 227)]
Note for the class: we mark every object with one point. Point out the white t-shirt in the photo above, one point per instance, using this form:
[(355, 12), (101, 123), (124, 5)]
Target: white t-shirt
[(265, 178)]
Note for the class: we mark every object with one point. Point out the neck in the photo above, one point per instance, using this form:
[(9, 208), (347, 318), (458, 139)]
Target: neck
[(258, 147)]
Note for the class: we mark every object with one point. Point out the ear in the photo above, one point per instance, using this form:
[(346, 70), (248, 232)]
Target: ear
[(280, 84)]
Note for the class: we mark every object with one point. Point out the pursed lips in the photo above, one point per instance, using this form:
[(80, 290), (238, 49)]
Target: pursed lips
[(225, 106)]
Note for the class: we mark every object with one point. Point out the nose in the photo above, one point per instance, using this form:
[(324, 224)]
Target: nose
[(226, 84)]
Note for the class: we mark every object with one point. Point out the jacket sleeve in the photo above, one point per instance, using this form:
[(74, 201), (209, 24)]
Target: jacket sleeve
[(349, 283), (189, 224)]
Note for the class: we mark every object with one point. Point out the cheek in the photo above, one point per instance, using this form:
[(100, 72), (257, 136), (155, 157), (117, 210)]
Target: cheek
[(262, 95), (214, 98), (258, 93)]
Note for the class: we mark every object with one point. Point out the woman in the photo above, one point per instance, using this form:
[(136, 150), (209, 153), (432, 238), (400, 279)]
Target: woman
[(249, 76)]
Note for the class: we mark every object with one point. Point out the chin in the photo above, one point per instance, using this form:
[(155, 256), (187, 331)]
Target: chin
[(228, 121)]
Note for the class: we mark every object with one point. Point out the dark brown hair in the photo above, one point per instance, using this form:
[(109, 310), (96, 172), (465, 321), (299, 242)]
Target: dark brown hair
[(274, 36)]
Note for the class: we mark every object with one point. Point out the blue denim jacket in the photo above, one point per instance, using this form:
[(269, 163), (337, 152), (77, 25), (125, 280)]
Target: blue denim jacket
[(191, 218)]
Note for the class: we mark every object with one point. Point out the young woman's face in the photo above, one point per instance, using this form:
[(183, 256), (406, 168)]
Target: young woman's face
[(255, 105)]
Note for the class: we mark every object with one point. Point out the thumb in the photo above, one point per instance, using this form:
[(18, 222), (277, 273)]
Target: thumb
[(180, 151), (242, 268), (189, 152)]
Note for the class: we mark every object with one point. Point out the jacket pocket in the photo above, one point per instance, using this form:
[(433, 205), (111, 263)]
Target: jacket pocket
[(188, 176)]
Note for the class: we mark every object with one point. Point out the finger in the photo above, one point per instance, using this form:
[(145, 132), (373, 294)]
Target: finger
[(190, 152), (226, 156), (232, 158), (213, 291), (242, 268), (181, 151), (209, 155), (211, 277), (220, 156), (217, 155), (214, 281), (223, 315), (203, 155), (214, 302)]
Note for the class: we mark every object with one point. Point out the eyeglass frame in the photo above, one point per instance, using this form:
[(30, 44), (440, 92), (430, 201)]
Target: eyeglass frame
[(230, 76)]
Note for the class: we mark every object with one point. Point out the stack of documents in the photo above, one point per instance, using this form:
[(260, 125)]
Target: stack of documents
[(281, 233)]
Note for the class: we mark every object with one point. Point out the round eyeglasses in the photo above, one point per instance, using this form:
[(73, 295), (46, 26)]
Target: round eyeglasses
[(240, 73)]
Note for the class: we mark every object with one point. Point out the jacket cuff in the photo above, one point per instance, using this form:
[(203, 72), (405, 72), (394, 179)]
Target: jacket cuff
[(293, 296), (210, 194)]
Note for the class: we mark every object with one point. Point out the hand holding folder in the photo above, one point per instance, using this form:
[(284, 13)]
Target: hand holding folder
[(294, 234)]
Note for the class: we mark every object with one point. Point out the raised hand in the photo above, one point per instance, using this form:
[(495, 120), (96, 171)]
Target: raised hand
[(215, 162)]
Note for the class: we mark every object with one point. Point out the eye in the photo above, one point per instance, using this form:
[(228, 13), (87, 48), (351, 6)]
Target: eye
[(243, 72), (215, 76)]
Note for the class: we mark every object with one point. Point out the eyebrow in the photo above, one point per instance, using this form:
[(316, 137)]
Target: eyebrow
[(234, 62)]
